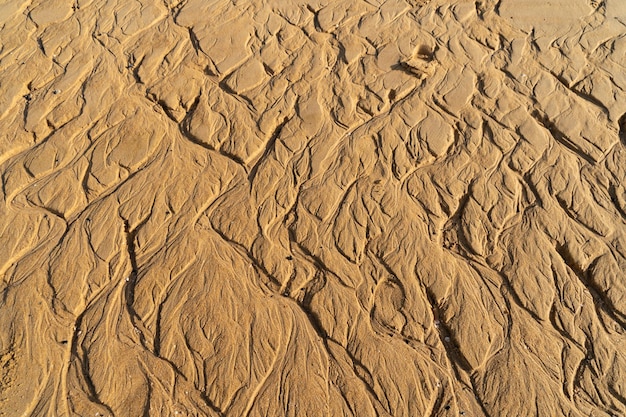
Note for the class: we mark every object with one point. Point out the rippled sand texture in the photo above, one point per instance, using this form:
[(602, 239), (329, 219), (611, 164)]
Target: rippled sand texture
[(340, 208)]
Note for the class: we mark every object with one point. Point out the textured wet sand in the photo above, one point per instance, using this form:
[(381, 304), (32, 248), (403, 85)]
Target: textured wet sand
[(333, 208)]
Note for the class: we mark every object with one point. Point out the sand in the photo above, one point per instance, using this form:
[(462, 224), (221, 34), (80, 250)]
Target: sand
[(333, 208)]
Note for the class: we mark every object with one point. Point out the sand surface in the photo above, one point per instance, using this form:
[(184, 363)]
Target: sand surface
[(333, 208)]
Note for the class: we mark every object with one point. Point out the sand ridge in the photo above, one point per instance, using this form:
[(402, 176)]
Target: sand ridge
[(272, 208)]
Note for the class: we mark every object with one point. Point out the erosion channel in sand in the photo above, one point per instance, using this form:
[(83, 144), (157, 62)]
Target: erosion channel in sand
[(325, 208)]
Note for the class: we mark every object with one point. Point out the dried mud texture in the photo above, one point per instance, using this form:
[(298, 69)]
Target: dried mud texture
[(340, 208)]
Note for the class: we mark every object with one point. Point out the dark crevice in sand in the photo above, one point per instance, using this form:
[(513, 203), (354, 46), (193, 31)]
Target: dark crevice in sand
[(622, 128), (269, 147), (601, 302), (560, 136), (83, 364)]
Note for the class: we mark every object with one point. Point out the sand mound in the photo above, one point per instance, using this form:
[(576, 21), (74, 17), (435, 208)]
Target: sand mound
[(340, 208)]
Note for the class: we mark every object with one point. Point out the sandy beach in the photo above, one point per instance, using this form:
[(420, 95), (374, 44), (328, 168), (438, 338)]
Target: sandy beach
[(365, 208)]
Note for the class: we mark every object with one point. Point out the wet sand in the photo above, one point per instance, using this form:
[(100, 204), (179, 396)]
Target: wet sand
[(334, 208)]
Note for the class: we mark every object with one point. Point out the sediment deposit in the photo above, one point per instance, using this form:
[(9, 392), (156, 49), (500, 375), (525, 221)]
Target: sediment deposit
[(332, 208)]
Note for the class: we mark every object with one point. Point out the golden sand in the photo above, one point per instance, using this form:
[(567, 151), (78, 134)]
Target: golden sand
[(334, 208)]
